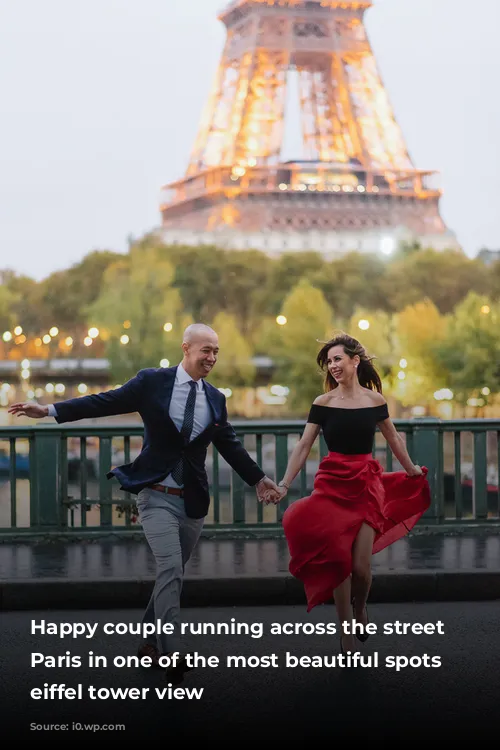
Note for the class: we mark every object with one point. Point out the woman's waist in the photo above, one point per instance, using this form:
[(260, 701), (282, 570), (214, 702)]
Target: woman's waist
[(348, 457)]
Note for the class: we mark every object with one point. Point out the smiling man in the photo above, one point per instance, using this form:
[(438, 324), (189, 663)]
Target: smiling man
[(182, 415)]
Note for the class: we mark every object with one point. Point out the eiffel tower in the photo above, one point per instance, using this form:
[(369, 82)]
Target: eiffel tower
[(355, 188)]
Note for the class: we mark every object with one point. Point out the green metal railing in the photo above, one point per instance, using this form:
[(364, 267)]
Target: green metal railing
[(53, 478)]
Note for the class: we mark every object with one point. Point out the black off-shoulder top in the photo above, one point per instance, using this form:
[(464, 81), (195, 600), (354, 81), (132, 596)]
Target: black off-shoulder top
[(349, 431)]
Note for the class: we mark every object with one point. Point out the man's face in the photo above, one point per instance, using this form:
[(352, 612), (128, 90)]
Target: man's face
[(201, 353)]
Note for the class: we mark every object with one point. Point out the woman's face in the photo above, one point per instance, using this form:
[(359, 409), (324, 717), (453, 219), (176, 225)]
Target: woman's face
[(340, 365)]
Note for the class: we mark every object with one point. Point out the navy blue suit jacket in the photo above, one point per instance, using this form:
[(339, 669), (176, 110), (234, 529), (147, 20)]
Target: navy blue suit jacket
[(149, 393)]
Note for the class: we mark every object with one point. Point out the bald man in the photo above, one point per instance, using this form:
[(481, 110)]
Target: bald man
[(182, 415)]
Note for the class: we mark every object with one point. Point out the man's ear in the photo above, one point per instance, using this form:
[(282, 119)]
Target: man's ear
[(185, 347)]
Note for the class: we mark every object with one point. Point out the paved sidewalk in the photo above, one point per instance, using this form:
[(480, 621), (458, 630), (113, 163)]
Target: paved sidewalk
[(120, 573)]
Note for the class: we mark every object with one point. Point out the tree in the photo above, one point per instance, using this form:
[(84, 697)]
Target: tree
[(378, 339), (234, 365), (470, 349), (199, 277), (295, 345), (352, 281), (443, 277), (8, 300), (494, 280), (244, 274), (64, 296), (284, 273), (137, 300), (419, 330), (24, 303)]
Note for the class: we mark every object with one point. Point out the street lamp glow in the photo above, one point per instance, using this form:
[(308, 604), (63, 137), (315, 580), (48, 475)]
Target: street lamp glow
[(25, 374), (82, 388), (7, 336), (124, 339), (127, 323), (68, 341), (46, 339), (281, 320), (165, 363), (167, 327), (18, 330), (485, 309), (401, 375), (54, 331), (364, 325), (93, 333), (403, 363), (387, 245), (485, 391), (25, 363)]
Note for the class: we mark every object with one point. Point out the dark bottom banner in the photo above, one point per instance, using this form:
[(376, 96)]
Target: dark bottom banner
[(264, 672)]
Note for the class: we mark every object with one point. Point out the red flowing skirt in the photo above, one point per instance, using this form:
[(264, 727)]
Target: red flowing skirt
[(349, 490)]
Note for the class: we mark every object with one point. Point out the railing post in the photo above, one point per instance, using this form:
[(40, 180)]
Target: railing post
[(427, 451), (45, 471), (281, 460), (105, 486)]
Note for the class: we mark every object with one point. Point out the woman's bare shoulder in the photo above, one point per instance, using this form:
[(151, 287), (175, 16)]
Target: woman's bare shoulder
[(376, 398), (323, 399)]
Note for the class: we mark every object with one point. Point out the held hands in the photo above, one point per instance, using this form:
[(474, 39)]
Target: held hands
[(415, 471), (29, 409), (269, 492)]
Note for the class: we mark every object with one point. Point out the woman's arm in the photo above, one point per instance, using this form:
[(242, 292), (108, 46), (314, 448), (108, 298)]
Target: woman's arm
[(300, 454), (398, 447)]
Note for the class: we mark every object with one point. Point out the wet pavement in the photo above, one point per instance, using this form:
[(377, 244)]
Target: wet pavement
[(214, 558)]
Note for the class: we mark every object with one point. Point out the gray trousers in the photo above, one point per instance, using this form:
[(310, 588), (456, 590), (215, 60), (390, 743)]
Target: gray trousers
[(172, 536)]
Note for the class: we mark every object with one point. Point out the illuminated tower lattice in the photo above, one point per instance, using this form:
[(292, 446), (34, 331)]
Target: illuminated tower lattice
[(355, 188)]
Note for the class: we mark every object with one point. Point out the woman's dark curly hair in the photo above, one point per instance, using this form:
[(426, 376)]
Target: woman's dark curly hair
[(367, 375)]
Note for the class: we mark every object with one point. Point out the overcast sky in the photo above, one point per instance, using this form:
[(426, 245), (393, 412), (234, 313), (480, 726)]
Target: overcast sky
[(100, 102)]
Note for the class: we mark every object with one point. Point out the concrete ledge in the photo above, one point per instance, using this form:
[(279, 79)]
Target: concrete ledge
[(280, 589)]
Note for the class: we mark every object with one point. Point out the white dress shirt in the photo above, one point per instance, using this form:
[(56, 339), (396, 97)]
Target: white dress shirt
[(180, 394), (202, 415)]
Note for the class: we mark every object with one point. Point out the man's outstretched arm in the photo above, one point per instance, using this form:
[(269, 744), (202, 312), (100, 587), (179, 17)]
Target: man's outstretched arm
[(123, 400)]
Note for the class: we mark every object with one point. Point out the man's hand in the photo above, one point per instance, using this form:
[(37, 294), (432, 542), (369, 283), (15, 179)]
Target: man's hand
[(267, 491), (28, 409)]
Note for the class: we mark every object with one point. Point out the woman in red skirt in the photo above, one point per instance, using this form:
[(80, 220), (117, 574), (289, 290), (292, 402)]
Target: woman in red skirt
[(355, 509)]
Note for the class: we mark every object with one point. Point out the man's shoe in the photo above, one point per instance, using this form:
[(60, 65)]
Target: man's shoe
[(175, 673), (147, 649)]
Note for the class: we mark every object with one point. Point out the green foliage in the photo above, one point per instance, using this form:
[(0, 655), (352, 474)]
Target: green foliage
[(294, 346), (445, 278), (65, 295), (234, 366), (8, 299), (139, 289), (422, 305), (419, 331), (352, 281), (470, 349)]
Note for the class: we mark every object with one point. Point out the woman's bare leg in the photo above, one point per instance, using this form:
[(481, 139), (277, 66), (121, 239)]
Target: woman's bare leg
[(342, 597), (361, 571)]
